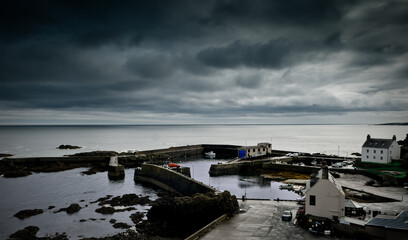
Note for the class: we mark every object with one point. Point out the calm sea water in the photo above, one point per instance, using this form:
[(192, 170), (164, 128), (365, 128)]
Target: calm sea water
[(63, 188), (28, 141)]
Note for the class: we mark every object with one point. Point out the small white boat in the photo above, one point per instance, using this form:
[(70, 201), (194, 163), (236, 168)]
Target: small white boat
[(210, 154), (286, 186)]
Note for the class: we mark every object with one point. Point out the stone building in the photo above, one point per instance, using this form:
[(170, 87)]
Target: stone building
[(378, 150)]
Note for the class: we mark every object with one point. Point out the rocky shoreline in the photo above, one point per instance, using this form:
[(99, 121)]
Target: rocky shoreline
[(96, 161), (171, 216)]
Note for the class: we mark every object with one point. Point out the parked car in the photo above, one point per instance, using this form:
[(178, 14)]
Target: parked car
[(337, 165), (287, 215), (292, 155)]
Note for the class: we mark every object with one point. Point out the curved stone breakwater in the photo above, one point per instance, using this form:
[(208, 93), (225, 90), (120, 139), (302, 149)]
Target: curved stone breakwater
[(98, 161)]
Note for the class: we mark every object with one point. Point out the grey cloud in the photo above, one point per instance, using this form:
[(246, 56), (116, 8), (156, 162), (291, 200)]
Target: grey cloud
[(273, 54), (152, 66), (205, 58), (252, 81)]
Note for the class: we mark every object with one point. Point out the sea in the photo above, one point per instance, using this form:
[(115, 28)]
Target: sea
[(60, 189)]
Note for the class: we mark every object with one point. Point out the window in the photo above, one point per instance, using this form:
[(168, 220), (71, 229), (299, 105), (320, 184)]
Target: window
[(263, 149), (367, 156), (382, 151), (368, 150), (374, 151), (381, 158), (373, 157), (312, 200)]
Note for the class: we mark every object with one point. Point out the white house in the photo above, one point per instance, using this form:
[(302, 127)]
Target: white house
[(261, 149), (378, 150), (325, 198)]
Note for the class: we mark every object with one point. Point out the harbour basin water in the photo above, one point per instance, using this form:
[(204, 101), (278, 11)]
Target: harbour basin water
[(253, 187)]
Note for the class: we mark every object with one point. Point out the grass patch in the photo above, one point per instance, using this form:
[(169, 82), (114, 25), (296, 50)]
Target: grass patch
[(287, 175)]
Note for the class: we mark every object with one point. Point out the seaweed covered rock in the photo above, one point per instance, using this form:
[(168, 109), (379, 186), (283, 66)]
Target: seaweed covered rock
[(26, 233), (68, 147), (126, 200), (182, 216), (30, 232), (105, 210), (28, 213), (73, 208)]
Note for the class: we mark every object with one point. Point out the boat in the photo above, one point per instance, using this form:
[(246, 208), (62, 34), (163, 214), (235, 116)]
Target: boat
[(210, 154), (286, 186), (173, 165)]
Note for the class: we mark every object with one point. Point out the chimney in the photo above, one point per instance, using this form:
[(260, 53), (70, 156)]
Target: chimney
[(394, 138), (325, 171), (368, 136)]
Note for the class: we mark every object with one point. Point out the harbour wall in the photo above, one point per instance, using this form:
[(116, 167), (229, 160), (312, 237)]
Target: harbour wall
[(170, 180), (258, 167)]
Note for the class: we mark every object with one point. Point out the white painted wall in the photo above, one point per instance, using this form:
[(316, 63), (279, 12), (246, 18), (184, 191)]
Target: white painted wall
[(329, 200), (381, 155), (375, 155), (395, 151)]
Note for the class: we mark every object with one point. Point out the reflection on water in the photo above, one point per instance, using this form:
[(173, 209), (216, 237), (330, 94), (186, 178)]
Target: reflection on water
[(253, 187)]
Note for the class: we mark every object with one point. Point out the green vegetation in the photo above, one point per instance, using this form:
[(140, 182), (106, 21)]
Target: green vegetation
[(393, 169)]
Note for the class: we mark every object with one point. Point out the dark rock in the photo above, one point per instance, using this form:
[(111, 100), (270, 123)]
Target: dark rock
[(17, 173), (125, 209), (5, 155), (177, 217), (94, 170), (121, 225), (51, 207), (27, 233), (73, 208), (103, 199), (68, 147), (105, 210), (130, 235), (82, 220), (28, 213), (112, 220), (136, 217), (126, 200)]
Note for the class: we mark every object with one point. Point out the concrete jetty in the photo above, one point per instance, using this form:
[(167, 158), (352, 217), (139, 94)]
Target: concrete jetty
[(170, 180), (115, 170)]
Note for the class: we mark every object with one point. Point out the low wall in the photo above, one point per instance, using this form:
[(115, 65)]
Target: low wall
[(170, 180), (247, 167), (256, 167), (207, 228)]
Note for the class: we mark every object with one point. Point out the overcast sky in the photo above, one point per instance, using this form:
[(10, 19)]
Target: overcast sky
[(203, 61)]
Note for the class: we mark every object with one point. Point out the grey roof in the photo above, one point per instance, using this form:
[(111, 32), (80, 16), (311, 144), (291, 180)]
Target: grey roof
[(378, 143), (399, 222)]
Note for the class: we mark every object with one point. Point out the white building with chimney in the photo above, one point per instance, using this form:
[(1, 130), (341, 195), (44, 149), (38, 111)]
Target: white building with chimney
[(379, 150), (324, 196)]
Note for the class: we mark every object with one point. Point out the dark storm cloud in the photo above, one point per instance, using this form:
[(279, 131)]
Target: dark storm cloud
[(212, 58), (273, 54)]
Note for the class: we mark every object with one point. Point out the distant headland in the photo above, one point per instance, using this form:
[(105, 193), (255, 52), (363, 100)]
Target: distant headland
[(395, 124)]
